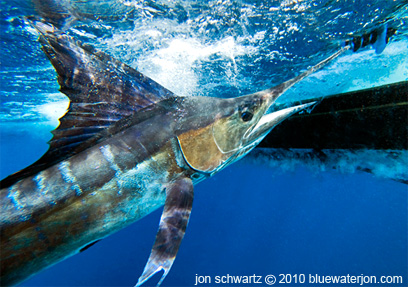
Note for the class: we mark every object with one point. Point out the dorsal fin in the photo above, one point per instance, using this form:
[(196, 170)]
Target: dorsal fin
[(101, 89)]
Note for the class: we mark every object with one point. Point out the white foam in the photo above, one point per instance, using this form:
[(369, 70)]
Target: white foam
[(173, 66), (54, 110)]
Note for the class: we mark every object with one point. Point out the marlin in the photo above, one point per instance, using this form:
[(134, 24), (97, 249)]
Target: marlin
[(125, 147)]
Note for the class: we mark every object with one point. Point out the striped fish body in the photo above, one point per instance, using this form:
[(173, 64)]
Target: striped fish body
[(53, 214)]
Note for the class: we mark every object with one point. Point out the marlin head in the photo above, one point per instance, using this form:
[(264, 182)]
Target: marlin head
[(237, 126)]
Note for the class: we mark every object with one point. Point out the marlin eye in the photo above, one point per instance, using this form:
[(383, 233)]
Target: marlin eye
[(246, 111), (246, 116)]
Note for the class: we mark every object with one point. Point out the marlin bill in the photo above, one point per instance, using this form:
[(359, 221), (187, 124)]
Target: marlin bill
[(125, 147)]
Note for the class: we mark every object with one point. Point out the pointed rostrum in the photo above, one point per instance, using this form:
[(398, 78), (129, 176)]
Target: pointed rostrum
[(173, 224)]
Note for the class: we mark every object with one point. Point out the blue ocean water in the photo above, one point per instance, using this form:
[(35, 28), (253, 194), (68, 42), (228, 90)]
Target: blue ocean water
[(250, 218)]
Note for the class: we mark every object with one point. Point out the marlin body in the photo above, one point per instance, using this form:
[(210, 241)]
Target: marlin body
[(125, 147)]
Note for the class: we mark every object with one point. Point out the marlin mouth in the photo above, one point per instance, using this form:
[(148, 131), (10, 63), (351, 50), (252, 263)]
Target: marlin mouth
[(270, 120)]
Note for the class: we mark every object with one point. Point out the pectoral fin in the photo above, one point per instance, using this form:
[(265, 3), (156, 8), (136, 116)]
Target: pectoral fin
[(173, 224)]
